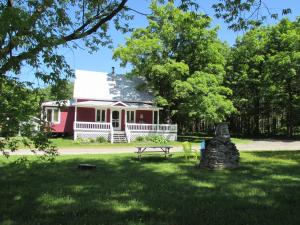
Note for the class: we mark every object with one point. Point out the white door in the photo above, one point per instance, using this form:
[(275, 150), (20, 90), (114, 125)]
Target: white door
[(116, 120)]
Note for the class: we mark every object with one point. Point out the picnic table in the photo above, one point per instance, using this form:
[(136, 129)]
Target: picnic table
[(165, 150)]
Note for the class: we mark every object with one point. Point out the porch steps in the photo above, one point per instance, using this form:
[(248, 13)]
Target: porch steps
[(119, 137)]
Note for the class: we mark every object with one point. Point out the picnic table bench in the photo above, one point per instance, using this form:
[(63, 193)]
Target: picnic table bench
[(165, 150)]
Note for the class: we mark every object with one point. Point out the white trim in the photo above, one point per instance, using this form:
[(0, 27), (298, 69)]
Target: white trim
[(96, 109), (52, 116), (91, 126), (169, 128), (119, 102), (153, 112), (134, 115), (103, 104), (120, 119), (75, 116), (110, 100)]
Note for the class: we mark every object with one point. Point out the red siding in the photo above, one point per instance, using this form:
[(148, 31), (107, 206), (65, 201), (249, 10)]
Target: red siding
[(70, 121), (85, 114), (88, 115), (84, 100), (147, 116), (66, 121), (123, 119)]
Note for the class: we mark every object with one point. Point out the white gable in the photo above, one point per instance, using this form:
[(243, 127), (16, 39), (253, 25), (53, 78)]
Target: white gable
[(109, 87)]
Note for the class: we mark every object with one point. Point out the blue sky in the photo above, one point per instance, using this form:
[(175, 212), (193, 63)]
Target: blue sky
[(102, 60)]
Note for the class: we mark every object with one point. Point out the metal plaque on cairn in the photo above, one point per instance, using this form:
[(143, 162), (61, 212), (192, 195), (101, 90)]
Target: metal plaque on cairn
[(220, 152)]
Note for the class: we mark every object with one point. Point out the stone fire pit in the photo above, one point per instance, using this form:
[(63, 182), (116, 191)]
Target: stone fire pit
[(220, 153)]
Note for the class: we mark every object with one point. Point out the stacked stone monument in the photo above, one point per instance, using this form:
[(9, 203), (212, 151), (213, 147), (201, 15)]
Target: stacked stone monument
[(220, 152)]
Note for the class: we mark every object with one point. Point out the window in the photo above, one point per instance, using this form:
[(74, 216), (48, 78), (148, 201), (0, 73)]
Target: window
[(155, 117), (100, 115), (130, 116), (52, 115)]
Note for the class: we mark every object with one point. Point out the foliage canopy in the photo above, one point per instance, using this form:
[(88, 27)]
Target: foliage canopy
[(182, 61)]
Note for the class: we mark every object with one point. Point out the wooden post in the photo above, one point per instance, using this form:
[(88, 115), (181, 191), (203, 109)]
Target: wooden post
[(74, 125), (125, 117), (111, 128), (75, 119)]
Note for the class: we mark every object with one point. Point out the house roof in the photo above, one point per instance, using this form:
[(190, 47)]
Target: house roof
[(108, 87), (58, 103)]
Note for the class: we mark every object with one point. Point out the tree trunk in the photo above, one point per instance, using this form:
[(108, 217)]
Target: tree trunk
[(289, 115)]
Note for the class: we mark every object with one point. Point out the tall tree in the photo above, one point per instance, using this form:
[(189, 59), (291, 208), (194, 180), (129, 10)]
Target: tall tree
[(284, 60), (247, 77), (263, 72), (31, 34), (182, 61)]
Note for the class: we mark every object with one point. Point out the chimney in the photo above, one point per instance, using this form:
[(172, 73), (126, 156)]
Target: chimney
[(113, 70)]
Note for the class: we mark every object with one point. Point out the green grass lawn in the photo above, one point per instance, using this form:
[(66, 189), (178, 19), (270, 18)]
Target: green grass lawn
[(265, 190), (69, 143)]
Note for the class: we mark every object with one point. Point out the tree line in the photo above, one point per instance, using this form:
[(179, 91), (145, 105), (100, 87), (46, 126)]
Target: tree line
[(263, 71), (199, 80)]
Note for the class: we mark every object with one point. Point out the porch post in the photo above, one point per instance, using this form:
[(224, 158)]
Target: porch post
[(125, 117), (74, 125), (110, 116), (111, 127), (157, 117)]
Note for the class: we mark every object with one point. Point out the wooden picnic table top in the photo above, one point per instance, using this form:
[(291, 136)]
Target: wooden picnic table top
[(163, 146), (165, 149)]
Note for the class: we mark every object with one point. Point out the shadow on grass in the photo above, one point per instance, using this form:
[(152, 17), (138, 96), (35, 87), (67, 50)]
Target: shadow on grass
[(151, 191)]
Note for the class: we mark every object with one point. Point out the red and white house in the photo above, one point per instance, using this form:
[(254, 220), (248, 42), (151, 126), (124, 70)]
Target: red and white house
[(110, 106)]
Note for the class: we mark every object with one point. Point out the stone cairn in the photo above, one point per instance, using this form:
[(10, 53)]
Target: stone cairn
[(220, 152)]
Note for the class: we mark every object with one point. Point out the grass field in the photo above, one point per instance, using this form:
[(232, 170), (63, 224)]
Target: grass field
[(122, 190), (69, 143)]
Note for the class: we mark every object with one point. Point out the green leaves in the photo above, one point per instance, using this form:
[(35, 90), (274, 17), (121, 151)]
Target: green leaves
[(245, 14), (263, 70), (182, 61), (31, 33)]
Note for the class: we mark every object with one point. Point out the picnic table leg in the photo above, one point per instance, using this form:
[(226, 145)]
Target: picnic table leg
[(139, 154)]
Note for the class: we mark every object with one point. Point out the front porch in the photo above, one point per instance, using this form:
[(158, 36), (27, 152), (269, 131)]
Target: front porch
[(119, 122), (131, 132)]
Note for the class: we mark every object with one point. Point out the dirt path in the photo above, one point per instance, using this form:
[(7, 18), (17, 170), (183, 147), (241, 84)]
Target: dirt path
[(257, 145), (270, 144)]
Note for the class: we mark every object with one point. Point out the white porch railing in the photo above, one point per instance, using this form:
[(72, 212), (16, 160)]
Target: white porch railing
[(132, 130), (152, 127), (91, 126)]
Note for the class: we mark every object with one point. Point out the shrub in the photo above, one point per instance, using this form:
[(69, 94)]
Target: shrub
[(140, 138), (92, 140), (158, 139), (100, 139), (81, 141)]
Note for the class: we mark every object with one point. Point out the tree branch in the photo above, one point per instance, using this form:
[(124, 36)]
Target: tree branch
[(80, 33), (77, 34), (138, 12), (14, 41)]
